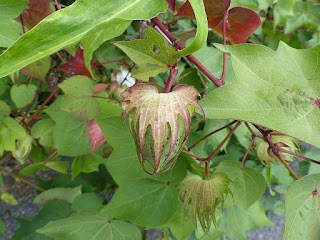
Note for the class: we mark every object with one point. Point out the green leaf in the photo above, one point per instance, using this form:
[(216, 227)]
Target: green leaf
[(302, 219), (202, 29), (8, 198), (151, 55), (22, 95), (38, 69), (2, 227), (282, 177), (94, 227), (238, 221), (65, 194), (315, 155), (59, 166), (69, 133), (107, 31), (51, 211), (87, 203), (10, 131), (4, 110), (86, 164), (1, 180), (78, 98), (181, 226), (32, 169), (68, 26), (9, 9), (247, 185), (146, 202), (278, 90), (43, 130)]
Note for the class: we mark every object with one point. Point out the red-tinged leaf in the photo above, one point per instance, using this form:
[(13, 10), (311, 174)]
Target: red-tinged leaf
[(172, 4), (96, 138), (98, 88), (76, 65), (215, 10), (241, 24), (35, 11)]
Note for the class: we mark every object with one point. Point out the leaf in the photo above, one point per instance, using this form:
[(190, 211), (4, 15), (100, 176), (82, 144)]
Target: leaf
[(22, 95), (77, 20), (77, 99), (38, 69), (69, 133), (8, 198), (302, 213), (86, 164), (202, 28), (238, 221), (181, 226), (240, 23), (51, 211), (10, 131), (59, 166), (151, 55), (315, 155), (247, 185), (4, 110), (75, 65), (65, 194), (278, 90), (9, 9), (146, 202), (95, 38), (90, 226), (43, 130), (87, 203), (35, 11)]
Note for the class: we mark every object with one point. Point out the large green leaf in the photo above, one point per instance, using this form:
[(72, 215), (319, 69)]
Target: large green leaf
[(69, 25), (151, 55), (302, 209), (279, 90), (43, 130), (4, 110), (65, 194), (90, 226), (247, 185), (22, 95), (238, 221), (78, 98), (9, 9)]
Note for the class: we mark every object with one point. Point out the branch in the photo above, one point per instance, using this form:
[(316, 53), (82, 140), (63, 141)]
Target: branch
[(299, 156), (248, 150), (16, 177), (202, 68), (211, 134), (173, 74)]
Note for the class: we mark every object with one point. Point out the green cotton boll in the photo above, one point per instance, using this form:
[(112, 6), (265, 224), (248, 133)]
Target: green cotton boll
[(23, 148), (282, 142)]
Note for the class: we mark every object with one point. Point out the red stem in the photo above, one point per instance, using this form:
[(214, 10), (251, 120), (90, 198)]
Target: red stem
[(50, 157), (299, 156), (22, 24), (248, 150), (223, 142), (208, 168), (173, 74), (224, 22), (194, 156), (57, 4), (191, 58), (45, 102), (32, 102), (99, 64), (211, 134)]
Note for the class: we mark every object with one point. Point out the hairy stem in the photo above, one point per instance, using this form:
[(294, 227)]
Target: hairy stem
[(191, 58), (16, 177), (208, 135)]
